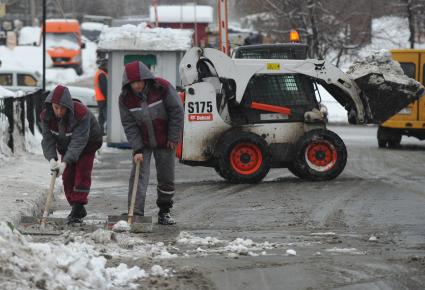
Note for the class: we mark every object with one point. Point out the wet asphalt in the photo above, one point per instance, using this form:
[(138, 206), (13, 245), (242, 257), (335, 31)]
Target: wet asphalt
[(363, 230)]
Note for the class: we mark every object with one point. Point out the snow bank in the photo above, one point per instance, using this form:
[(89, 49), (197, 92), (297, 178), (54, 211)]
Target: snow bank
[(130, 37), (76, 265)]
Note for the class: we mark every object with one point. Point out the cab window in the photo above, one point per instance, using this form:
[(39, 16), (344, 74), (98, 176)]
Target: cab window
[(409, 69), (26, 80), (292, 91), (6, 79)]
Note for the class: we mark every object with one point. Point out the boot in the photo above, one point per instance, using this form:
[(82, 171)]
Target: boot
[(164, 218), (77, 214)]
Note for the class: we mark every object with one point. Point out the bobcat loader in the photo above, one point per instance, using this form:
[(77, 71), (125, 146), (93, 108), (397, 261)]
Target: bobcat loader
[(245, 116)]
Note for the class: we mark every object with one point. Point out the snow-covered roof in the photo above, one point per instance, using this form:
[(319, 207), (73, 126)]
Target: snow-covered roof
[(62, 20), (182, 14), (141, 37)]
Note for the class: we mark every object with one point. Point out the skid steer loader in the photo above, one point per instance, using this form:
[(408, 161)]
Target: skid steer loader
[(245, 116)]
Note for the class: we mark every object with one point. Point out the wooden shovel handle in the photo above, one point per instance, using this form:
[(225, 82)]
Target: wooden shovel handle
[(133, 193), (49, 198)]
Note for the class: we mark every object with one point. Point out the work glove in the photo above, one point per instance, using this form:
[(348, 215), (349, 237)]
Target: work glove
[(61, 169), (54, 165)]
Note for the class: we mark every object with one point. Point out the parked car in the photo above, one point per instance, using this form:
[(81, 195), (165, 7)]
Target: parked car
[(20, 80), (84, 95)]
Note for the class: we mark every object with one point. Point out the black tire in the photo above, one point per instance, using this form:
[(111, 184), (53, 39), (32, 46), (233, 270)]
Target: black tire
[(295, 171), (388, 137), (321, 156), (242, 157)]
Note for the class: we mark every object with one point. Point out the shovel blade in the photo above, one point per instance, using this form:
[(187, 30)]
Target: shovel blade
[(385, 96)]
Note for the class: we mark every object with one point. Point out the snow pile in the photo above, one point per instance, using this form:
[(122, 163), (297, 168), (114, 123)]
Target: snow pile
[(353, 251), (213, 245), (158, 271), (291, 252), (141, 37), (77, 265), (188, 239), (121, 226), (382, 68), (378, 61), (29, 35)]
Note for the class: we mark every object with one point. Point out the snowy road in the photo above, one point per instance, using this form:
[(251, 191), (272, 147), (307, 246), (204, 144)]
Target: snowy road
[(364, 230)]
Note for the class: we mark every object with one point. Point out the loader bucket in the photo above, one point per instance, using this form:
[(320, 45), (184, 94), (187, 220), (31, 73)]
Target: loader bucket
[(383, 96)]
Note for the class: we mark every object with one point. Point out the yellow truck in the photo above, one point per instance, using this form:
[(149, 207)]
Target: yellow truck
[(410, 121)]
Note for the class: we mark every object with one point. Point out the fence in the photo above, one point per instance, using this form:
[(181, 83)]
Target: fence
[(18, 110)]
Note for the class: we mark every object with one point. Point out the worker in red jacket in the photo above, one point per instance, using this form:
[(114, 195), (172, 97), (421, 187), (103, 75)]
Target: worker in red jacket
[(69, 128)]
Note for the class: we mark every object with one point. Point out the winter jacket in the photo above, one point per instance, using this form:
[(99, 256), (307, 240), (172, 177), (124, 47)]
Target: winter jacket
[(76, 133), (153, 117), (101, 85)]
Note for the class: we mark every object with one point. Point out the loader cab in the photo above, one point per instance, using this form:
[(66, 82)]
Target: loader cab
[(410, 121), (271, 98)]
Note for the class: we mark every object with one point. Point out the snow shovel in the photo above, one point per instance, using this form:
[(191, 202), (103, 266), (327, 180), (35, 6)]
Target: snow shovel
[(35, 226), (138, 224)]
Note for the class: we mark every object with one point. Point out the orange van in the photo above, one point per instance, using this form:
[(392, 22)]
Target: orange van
[(63, 43)]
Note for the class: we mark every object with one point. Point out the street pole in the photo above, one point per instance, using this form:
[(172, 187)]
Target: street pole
[(44, 45)]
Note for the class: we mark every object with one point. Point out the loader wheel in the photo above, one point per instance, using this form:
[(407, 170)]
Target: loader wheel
[(389, 137), (321, 155), (242, 157)]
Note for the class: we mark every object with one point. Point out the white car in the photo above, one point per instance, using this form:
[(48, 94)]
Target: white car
[(20, 80), (84, 95)]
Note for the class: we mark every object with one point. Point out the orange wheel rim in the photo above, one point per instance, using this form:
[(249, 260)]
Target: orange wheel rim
[(246, 158), (321, 156)]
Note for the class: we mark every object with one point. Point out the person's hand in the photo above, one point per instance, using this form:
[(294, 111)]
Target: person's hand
[(54, 165), (138, 157), (171, 145), (62, 167)]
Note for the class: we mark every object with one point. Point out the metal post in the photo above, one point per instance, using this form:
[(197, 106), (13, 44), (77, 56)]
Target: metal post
[(195, 23), (223, 32), (44, 45)]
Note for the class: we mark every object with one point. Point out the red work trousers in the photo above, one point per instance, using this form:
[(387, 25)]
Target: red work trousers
[(77, 179)]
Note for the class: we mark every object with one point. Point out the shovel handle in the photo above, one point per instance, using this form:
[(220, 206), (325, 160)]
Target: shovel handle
[(133, 193), (49, 199)]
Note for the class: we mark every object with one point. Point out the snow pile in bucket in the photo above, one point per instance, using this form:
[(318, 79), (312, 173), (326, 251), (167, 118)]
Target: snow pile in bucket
[(75, 265), (380, 62), (141, 37)]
